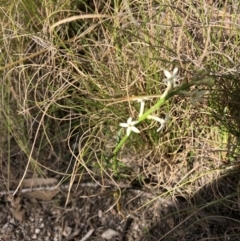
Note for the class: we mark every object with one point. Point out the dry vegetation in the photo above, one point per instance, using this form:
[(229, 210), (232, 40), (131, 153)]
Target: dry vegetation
[(67, 70)]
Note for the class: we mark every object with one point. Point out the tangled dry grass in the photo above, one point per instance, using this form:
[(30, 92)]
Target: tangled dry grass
[(67, 71)]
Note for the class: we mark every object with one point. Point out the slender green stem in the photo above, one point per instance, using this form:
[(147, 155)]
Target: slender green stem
[(155, 107), (159, 103)]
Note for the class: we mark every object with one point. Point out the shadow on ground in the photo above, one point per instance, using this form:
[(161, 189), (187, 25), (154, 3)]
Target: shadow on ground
[(212, 214), (93, 212)]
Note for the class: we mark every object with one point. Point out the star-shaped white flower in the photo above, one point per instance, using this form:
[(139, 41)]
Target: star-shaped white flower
[(130, 125), (171, 78), (160, 120)]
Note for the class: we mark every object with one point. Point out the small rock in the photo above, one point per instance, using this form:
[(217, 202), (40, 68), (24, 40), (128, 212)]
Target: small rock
[(34, 236), (109, 233), (67, 231), (41, 225), (100, 213)]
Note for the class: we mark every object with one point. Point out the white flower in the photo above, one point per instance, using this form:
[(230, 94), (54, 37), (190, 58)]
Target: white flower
[(196, 95), (171, 78), (142, 102), (130, 126), (160, 120)]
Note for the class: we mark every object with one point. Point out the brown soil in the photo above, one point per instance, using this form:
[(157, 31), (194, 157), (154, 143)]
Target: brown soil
[(212, 214)]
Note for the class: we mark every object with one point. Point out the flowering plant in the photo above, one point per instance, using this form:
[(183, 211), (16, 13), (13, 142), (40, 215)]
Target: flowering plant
[(174, 87)]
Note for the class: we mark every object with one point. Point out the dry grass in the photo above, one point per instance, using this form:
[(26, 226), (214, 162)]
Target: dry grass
[(64, 67)]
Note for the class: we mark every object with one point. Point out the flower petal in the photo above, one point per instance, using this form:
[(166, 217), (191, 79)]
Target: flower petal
[(158, 119), (175, 71), (129, 120), (128, 131), (160, 128), (135, 129), (167, 74), (167, 117), (124, 125), (134, 123)]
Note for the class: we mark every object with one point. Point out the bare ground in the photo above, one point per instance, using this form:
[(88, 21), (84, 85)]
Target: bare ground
[(95, 212)]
